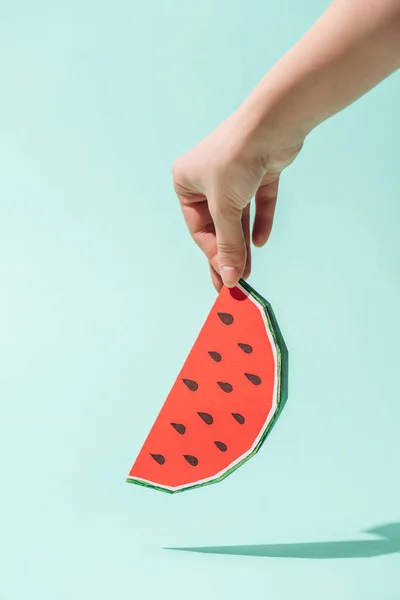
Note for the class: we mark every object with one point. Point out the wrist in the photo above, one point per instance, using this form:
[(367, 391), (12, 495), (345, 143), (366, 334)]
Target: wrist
[(270, 120)]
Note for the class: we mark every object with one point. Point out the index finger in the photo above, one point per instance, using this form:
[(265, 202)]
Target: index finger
[(201, 226)]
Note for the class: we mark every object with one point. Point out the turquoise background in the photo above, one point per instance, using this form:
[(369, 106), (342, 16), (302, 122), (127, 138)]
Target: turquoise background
[(103, 294)]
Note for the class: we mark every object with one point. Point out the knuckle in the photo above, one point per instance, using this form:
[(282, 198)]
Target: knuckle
[(231, 250), (224, 209)]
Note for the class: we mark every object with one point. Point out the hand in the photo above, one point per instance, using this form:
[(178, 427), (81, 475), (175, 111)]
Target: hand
[(346, 53), (215, 182)]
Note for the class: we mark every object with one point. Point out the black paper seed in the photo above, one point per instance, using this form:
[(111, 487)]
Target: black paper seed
[(246, 348), (159, 458), (221, 446), (215, 356), (192, 460), (179, 427), (239, 418), (253, 378), (225, 386), (206, 418), (226, 318), (192, 385)]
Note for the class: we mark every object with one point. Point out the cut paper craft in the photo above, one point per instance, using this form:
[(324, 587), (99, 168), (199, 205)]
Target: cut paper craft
[(225, 400)]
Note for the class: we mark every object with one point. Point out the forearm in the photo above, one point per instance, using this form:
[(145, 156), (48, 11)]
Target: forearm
[(353, 46)]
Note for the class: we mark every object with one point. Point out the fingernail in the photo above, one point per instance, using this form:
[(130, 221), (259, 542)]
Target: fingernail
[(229, 275)]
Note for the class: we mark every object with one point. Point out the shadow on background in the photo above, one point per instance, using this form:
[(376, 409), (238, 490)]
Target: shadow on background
[(387, 541)]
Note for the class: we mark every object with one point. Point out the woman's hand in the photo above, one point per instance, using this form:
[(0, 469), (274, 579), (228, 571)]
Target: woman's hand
[(347, 52), (215, 182)]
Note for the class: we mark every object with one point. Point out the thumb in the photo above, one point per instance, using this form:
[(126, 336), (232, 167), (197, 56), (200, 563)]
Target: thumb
[(231, 245)]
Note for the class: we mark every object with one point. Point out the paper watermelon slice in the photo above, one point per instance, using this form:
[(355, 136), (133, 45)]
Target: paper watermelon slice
[(225, 400)]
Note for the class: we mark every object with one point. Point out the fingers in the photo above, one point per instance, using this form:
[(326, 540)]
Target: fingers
[(223, 237), (266, 197), (201, 226), (231, 244), (215, 278)]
